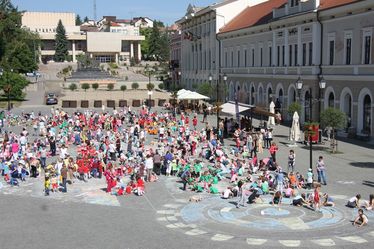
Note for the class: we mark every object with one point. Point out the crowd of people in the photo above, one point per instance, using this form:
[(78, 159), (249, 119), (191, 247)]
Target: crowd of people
[(129, 148)]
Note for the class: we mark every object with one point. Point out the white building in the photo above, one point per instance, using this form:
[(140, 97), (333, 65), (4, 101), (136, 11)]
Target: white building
[(267, 47), (200, 48), (119, 43)]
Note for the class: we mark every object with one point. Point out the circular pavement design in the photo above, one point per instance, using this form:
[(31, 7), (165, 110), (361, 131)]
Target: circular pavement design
[(264, 224)]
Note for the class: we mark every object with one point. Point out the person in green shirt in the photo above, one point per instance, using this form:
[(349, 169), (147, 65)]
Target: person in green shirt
[(213, 189)]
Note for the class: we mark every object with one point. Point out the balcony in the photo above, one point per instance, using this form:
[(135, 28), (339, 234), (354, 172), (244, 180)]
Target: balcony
[(306, 70), (349, 70)]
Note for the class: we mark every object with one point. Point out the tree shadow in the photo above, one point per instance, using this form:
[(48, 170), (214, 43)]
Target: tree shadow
[(362, 164), (368, 183)]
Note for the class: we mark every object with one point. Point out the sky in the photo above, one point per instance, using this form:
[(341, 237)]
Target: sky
[(167, 11)]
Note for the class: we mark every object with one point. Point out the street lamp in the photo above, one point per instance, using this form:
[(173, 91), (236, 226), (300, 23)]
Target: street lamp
[(299, 87)]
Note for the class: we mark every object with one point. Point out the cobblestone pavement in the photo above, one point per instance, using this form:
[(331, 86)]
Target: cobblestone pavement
[(167, 218)]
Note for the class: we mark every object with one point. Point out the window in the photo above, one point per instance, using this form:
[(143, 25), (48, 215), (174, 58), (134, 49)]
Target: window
[(296, 54), (226, 61), (310, 53), (245, 58), (261, 51), (270, 56), (331, 52), (348, 51), (367, 48), (253, 57), (232, 58), (239, 64), (283, 56), (278, 56), (304, 54), (290, 55)]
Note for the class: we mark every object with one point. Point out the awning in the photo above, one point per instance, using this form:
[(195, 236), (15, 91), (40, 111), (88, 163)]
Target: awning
[(229, 108), (189, 95)]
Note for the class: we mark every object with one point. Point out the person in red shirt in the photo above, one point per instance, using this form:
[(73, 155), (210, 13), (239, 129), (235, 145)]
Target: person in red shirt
[(129, 188), (140, 186), (273, 151), (194, 122)]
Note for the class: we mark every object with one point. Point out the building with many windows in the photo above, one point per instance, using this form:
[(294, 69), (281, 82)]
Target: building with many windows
[(200, 48), (268, 47), (111, 41)]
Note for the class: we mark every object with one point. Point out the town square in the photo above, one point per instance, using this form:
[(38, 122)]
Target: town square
[(236, 124)]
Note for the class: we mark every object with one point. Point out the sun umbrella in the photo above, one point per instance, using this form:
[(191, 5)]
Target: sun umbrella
[(271, 120)]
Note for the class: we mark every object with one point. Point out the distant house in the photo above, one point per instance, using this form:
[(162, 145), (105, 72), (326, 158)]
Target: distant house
[(142, 22)]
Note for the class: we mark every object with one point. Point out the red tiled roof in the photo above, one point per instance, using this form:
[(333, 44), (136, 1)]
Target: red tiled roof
[(254, 15), (327, 4), (113, 24), (263, 13)]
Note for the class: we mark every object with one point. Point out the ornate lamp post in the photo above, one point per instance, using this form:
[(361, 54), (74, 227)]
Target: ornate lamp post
[(299, 87)]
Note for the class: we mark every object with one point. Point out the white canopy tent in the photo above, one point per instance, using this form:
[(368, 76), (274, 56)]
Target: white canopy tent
[(229, 108), (189, 95)]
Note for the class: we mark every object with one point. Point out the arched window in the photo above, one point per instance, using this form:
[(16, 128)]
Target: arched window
[(253, 92), (367, 115), (270, 94), (331, 101)]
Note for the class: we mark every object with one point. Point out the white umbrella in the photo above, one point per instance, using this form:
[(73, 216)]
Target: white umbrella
[(295, 128), (271, 120)]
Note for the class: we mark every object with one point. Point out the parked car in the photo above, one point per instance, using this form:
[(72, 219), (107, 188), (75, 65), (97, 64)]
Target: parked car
[(33, 74), (51, 99)]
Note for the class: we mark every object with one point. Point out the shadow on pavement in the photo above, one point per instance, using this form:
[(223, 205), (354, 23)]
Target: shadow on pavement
[(362, 164), (368, 183)]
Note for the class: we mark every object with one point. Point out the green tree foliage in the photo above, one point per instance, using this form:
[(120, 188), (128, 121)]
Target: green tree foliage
[(205, 89), (14, 82), (294, 107), (334, 118), (135, 85), (95, 86), (110, 86), (61, 47), (161, 86), (86, 19), (123, 88), (156, 45), (146, 32), (150, 86), (85, 86), (17, 46), (73, 87), (78, 20)]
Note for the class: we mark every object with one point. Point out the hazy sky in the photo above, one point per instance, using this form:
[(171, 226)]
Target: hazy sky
[(167, 11)]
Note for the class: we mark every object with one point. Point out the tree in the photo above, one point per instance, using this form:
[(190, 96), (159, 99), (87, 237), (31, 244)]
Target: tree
[(134, 85), (155, 43), (123, 89), (161, 86), (164, 52), (61, 46), (294, 107), (150, 86), (86, 19), (95, 86), (85, 86), (14, 83), (78, 20), (18, 46), (110, 86), (73, 87), (145, 43), (336, 119), (205, 89)]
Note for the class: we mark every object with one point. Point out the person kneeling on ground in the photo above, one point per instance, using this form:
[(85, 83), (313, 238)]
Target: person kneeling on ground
[(328, 201), (300, 200), (354, 201), (361, 219)]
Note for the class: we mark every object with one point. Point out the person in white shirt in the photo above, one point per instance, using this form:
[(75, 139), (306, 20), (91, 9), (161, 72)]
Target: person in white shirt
[(149, 166)]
